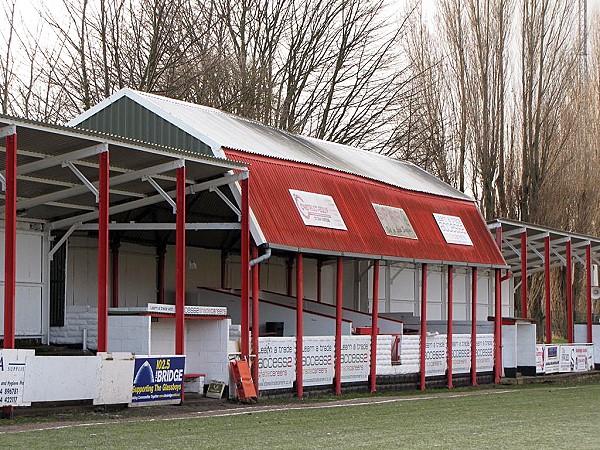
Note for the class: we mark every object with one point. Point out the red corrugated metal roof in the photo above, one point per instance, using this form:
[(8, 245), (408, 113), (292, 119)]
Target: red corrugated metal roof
[(281, 224)]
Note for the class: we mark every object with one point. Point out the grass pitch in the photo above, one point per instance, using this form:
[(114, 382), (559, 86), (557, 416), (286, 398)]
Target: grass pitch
[(540, 417)]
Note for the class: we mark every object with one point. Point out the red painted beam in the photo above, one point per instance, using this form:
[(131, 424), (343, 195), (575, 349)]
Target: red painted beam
[(588, 269), (497, 328), (449, 331), (524, 274), (255, 316), (245, 268), (103, 252), (10, 241), (374, 325), (547, 292), (180, 264), (338, 325), (570, 325), (299, 325), (474, 326), (423, 324)]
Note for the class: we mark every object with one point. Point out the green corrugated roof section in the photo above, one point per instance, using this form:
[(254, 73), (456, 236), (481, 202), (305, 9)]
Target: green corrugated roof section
[(129, 119)]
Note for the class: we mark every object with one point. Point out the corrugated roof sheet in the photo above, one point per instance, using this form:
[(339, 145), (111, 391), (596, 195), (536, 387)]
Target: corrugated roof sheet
[(219, 129), (282, 225)]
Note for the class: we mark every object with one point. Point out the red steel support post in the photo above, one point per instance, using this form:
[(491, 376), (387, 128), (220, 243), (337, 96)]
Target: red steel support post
[(255, 318), (569, 293), (497, 327), (524, 274), (423, 324), (10, 241), (449, 324), (588, 269), (499, 237), (374, 327), (474, 326), (338, 325), (103, 252), (245, 269), (180, 265), (115, 274), (299, 325), (547, 292)]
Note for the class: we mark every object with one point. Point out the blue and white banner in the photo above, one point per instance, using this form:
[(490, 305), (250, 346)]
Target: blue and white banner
[(157, 380)]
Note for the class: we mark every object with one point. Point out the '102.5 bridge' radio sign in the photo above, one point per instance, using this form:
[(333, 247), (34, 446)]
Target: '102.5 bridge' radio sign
[(157, 380)]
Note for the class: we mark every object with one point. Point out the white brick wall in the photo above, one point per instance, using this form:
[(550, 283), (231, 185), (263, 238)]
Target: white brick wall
[(129, 334), (77, 318)]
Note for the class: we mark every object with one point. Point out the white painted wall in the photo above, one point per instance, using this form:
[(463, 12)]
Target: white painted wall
[(32, 301), (581, 337), (526, 344), (205, 341)]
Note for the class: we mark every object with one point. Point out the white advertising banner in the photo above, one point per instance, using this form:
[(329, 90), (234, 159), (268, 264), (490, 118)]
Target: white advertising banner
[(356, 357), (318, 210), (318, 360), (190, 310), (394, 221), (276, 362), (12, 376), (453, 229), (461, 353), (435, 355), (485, 352), (551, 359), (576, 358), (539, 359)]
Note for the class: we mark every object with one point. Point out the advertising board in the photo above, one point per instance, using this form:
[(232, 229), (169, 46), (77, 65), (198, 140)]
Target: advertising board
[(157, 380), (12, 376)]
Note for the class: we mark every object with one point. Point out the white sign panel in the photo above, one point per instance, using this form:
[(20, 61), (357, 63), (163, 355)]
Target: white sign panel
[(190, 310), (551, 359), (576, 358), (485, 353), (12, 376), (356, 357), (435, 355), (539, 359), (452, 229), (318, 210), (394, 221), (318, 358), (276, 362), (461, 353)]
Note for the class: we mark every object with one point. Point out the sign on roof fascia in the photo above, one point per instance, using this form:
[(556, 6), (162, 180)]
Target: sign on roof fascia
[(190, 310), (318, 210), (394, 221), (453, 229)]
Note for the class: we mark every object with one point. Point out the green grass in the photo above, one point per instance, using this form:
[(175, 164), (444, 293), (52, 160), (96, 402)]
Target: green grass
[(542, 417)]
